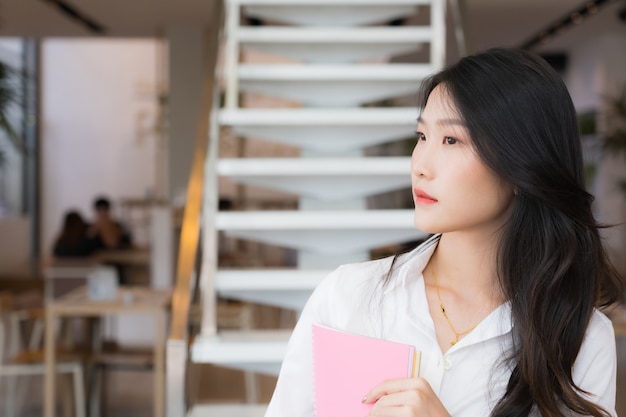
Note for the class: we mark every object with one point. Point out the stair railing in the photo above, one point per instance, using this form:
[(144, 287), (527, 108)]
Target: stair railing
[(177, 345)]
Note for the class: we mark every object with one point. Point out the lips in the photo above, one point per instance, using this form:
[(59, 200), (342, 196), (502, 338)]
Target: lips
[(421, 197)]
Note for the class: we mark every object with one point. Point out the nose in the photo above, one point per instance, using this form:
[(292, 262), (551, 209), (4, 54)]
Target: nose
[(422, 160)]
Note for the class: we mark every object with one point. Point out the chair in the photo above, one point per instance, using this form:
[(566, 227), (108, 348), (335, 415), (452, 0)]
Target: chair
[(114, 357), (21, 333)]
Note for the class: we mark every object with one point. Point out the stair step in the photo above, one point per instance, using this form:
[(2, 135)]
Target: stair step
[(315, 220), (324, 232), (333, 44), (330, 12), (227, 410), (255, 350), (336, 72), (368, 35), (332, 3), (321, 178), (277, 287), (268, 279), (324, 130), (338, 85)]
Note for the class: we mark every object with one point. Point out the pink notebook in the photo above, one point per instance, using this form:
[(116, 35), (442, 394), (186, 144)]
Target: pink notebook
[(346, 366)]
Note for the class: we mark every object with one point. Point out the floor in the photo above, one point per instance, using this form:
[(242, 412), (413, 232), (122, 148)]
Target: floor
[(129, 394)]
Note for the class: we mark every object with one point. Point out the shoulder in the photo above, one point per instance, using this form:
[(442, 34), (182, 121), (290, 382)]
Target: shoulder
[(347, 298), (365, 274), (598, 345), (355, 277), (365, 280), (599, 326), (369, 268), (595, 369)]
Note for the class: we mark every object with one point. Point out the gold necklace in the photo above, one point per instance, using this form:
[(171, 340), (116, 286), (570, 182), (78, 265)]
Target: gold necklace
[(445, 315)]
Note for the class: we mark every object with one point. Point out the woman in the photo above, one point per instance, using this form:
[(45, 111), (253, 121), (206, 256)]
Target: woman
[(72, 240), (502, 300)]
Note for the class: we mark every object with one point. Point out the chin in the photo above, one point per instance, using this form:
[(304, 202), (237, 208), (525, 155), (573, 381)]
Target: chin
[(424, 226)]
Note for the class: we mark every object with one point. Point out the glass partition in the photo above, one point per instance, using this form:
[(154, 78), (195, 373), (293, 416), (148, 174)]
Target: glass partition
[(19, 79)]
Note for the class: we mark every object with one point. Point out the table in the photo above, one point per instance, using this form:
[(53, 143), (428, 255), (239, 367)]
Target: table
[(79, 268), (63, 269), (138, 300)]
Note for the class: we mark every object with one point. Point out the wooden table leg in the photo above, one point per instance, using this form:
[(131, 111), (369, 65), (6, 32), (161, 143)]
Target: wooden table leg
[(93, 376), (49, 380), (159, 365)]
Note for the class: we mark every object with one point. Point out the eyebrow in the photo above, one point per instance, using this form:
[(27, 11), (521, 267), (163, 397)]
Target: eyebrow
[(443, 122)]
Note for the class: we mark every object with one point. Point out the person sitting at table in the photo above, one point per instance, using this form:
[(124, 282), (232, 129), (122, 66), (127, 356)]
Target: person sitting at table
[(72, 240), (106, 232)]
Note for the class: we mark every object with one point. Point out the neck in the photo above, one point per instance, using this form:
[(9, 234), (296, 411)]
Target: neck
[(467, 263)]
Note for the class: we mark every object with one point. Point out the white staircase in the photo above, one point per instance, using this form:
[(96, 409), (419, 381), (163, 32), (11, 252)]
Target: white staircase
[(333, 58)]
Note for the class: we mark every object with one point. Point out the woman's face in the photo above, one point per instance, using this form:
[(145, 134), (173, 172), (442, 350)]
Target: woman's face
[(453, 190)]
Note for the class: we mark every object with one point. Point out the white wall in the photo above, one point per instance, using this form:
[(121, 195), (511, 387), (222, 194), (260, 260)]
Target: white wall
[(98, 105)]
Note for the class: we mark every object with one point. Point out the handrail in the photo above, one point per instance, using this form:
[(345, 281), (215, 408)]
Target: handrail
[(176, 348), (208, 269)]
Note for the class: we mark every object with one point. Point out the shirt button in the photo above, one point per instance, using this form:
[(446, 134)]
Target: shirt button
[(447, 364)]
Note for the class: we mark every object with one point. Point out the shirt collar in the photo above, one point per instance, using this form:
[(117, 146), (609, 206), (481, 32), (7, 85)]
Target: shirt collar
[(411, 264)]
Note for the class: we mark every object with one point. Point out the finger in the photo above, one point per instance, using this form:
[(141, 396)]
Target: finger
[(405, 404), (398, 399), (390, 412), (392, 386), (402, 404)]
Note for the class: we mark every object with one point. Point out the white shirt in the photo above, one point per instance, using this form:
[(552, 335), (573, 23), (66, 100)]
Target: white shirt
[(469, 378)]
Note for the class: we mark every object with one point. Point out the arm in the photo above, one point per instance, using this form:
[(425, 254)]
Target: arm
[(343, 300), (293, 395)]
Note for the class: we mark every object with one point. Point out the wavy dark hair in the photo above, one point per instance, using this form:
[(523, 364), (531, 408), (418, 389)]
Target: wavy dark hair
[(551, 264)]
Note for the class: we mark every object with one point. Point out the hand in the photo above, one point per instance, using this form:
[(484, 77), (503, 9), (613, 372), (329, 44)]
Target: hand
[(408, 397)]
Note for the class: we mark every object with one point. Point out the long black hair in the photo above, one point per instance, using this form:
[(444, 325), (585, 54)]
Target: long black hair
[(551, 264)]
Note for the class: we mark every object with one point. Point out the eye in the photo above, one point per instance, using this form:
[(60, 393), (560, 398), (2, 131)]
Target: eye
[(420, 136), (449, 140)]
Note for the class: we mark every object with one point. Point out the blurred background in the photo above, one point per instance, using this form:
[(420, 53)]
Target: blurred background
[(121, 100)]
